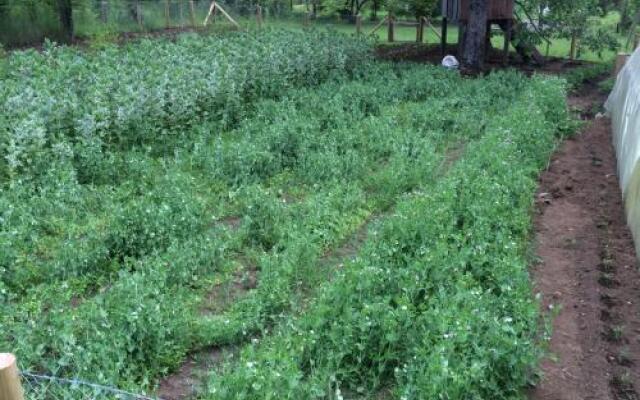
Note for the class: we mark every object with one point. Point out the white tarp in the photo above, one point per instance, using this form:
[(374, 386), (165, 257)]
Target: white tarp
[(623, 106)]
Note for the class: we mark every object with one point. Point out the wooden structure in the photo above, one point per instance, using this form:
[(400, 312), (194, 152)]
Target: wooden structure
[(392, 22), (457, 11), (217, 7)]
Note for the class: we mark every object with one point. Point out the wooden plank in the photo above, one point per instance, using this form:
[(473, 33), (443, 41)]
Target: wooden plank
[(443, 38), (139, 15), (167, 14), (378, 26), (233, 21), (498, 9), (192, 10), (507, 40), (259, 16), (420, 31), (211, 8), (430, 25)]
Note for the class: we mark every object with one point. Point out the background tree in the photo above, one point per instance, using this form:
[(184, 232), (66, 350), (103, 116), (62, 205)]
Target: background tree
[(422, 8), (576, 20)]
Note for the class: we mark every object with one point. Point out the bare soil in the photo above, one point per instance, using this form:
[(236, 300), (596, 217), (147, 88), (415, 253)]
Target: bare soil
[(431, 54), (190, 377), (587, 274)]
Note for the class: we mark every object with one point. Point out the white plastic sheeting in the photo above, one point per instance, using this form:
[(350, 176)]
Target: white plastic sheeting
[(623, 106)]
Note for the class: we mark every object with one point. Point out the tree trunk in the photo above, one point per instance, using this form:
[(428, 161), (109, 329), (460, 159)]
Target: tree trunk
[(473, 45), (65, 14)]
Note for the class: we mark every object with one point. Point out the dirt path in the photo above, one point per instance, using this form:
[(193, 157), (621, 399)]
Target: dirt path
[(587, 274)]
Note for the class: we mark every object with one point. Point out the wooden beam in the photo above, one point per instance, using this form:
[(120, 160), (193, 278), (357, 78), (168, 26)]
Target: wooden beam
[(167, 14), (10, 387), (139, 15), (507, 40), (259, 16), (428, 23), (420, 31), (378, 26), (192, 10), (233, 21), (443, 38), (574, 47), (211, 8), (391, 27)]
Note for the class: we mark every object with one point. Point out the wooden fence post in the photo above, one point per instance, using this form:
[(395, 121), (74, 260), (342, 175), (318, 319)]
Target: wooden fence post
[(139, 15), (104, 11), (507, 41), (259, 16), (574, 45), (212, 9), (390, 35), (636, 41), (10, 387), (443, 37), (358, 25), (420, 31), (167, 15), (181, 14), (192, 9)]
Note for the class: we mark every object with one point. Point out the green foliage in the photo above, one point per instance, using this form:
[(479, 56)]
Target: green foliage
[(438, 303), (589, 73), (582, 20), (132, 189), (84, 103)]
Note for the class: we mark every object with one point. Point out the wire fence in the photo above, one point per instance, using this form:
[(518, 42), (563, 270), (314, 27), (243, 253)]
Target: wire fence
[(44, 387), (26, 23)]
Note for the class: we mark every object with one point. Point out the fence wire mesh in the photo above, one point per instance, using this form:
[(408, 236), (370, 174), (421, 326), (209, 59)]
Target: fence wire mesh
[(44, 387), (30, 22)]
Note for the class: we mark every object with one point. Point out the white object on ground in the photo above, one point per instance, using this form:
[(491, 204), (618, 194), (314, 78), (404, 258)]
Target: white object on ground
[(450, 62)]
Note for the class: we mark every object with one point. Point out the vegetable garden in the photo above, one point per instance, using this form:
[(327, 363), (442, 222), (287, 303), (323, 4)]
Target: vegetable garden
[(135, 194)]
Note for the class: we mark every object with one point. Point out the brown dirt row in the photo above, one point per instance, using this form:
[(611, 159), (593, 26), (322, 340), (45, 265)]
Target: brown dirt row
[(185, 382), (587, 272)]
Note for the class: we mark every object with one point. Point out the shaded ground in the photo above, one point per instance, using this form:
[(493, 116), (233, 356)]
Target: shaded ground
[(587, 273), (431, 54)]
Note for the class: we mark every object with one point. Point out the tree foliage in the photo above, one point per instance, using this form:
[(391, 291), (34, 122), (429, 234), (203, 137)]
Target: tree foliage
[(579, 20)]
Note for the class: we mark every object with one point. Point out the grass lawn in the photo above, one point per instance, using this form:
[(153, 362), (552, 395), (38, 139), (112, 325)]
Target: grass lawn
[(557, 48)]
